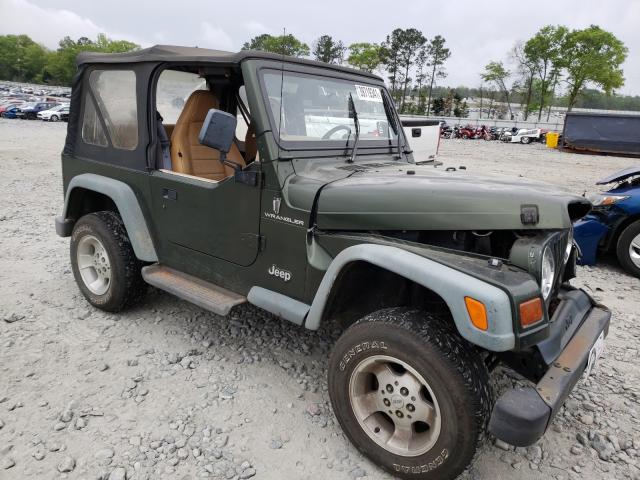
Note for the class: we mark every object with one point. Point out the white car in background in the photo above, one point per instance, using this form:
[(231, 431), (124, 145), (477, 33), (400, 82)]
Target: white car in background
[(523, 135), (54, 114)]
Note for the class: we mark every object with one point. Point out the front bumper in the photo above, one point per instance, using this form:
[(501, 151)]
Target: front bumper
[(521, 416)]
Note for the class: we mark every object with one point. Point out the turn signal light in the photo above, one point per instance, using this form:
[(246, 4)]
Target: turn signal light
[(531, 312), (477, 313)]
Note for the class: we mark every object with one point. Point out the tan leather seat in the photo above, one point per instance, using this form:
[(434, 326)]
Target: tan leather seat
[(188, 155), (250, 144)]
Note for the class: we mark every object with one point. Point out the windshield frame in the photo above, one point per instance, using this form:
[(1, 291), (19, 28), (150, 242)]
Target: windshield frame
[(388, 146)]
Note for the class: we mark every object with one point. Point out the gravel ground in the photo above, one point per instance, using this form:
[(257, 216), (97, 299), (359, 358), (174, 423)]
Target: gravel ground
[(167, 390)]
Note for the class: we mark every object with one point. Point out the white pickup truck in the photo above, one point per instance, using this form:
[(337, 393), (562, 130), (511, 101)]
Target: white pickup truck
[(424, 137)]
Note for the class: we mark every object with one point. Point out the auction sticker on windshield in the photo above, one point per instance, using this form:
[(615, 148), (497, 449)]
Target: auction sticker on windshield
[(368, 94), (595, 353)]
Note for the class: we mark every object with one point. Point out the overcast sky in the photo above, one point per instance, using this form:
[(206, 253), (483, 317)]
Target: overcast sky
[(476, 32)]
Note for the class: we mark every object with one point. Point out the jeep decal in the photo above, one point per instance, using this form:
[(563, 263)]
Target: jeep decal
[(280, 273)]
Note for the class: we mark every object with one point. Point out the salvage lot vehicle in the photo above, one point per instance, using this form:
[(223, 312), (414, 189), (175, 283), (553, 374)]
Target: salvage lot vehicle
[(319, 213), (30, 111), (425, 138), (523, 135), (614, 223), (54, 114), (10, 112)]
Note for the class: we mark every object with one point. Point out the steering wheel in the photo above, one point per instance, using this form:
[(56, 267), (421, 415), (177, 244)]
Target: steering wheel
[(328, 135)]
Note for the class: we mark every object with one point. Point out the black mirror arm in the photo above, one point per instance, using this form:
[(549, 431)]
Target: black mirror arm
[(223, 159)]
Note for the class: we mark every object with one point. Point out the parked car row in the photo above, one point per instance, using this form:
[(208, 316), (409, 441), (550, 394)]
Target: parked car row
[(28, 102), (47, 111), (508, 135)]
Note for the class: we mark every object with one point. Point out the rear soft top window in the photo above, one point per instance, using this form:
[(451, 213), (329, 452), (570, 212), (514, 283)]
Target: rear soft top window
[(114, 93)]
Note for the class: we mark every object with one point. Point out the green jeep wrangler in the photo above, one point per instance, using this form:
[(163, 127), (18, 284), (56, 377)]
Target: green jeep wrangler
[(226, 178)]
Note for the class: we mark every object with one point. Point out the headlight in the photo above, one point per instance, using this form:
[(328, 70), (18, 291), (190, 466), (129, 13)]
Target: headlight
[(548, 272), (603, 200)]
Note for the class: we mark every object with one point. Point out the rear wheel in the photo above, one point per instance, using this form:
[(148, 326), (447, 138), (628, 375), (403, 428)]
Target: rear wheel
[(525, 140), (54, 118), (410, 393), (628, 249), (103, 262)]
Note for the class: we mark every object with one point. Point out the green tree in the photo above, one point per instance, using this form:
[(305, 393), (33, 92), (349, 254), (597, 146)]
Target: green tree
[(282, 44), (327, 50), (21, 59), (392, 46), (411, 41), (420, 62), (495, 73), (545, 52), (437, 54), (438, 106), (61, 64), (527, 69), (593, 56), (365, 56)]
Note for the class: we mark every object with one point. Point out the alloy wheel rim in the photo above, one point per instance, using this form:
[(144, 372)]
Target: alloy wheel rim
[(94, 265), (394, 405), (634, 251)]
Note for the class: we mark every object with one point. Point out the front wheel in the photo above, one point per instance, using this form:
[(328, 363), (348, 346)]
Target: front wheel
[(103, 262), (628, 249), (54, 118), (410, 393)]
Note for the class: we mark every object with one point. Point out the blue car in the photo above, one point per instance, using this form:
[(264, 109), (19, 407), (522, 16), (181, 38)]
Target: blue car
[(11, 112), (614, 223)]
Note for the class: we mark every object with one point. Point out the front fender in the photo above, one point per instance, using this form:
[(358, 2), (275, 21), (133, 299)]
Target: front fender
[(451, 284), (588, 233), (128, 207)]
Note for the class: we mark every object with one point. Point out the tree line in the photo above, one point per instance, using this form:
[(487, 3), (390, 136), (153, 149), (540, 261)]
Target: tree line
[(556, 66), (23, 60), (556, 57), (411, 61), (555, 60)]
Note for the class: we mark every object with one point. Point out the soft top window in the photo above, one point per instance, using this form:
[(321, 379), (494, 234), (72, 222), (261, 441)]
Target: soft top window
[(174, 88), (114, 92)]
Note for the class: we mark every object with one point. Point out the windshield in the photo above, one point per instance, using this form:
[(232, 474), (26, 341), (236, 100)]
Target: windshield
[(310, 109)]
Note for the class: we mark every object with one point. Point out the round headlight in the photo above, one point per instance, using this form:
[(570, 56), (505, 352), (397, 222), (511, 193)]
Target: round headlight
[(548, 272), (567, 251)]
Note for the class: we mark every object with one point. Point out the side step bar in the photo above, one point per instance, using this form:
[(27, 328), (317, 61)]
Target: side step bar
[(199, 292)]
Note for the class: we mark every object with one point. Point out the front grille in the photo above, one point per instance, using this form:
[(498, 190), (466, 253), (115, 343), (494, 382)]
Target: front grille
[(558, 244)]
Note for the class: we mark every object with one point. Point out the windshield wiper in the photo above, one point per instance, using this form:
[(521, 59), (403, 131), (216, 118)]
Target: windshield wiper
[(354, 114)]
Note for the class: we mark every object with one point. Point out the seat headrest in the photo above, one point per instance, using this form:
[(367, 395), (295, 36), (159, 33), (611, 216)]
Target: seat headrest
[(198, 105)]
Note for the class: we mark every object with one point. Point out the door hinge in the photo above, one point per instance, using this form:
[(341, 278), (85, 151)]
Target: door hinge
[(253, 241)]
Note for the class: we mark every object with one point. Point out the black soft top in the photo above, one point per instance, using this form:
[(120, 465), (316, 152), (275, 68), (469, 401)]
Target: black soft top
[(172, 53)]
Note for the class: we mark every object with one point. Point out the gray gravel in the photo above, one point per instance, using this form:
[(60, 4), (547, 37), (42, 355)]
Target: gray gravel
[(167, 390)]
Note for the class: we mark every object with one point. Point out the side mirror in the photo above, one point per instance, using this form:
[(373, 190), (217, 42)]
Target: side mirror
[(218, 130)]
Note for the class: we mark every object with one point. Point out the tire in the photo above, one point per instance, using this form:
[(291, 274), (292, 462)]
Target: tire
[(628, 249), (54, 118), (103, 262), (453, 377), (525, 140)]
